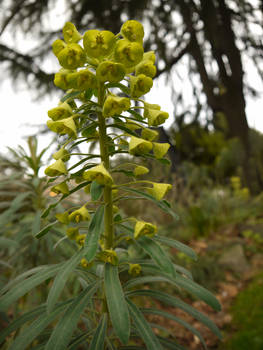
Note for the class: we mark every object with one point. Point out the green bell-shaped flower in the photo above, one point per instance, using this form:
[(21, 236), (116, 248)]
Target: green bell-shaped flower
[(155, 117), (72, 233), (108, 256), (63, 126), (71, 35), (61, 112), (62, 217), (160, 149), (98, 44), (149, 56), (110, 71), (60, 188), (140, 170), (140, 85), (115, 105), (62, 154), (81, 214), (134, 269), (56, 169), (149, 134), (128, 53), (80, 239), (82, 80), (159, 190), (133, 31), (139, 146), (147, 68), (57, 46), (60, 79), (72, 56), (143, 228), (98, 173)]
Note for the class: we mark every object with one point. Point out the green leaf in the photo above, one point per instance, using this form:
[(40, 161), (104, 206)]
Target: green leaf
[(175, 302), (35, 328), (123, 88), (98, 339), (70, 95), (116, 302), (176, 319), (178, 245), (156, 252), (136, 115), (161, 204), (61, 335), (169, 344), (94, 232), (28, 316), (199, 291), (124, 128), (79, 340), (46, 229), (61, 279), (96, 190), (26, 285), (8, 243), (143, 328)]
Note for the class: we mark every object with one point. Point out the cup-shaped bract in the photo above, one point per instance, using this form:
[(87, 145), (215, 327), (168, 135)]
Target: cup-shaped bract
[(138, 146), (98, 173), (57, 46), (60, 188), (72, 233), (56, 169), (98, 44), (155, 117), (62, 217), (115, 105), (140, 170), (128, 53), (60, 79), (72, 56), (149, 134), (63, 126), (147, 68), (62, 154), (81, 214), (160, 149), (71, 35), (133, 31), (82, 80), (134, 269), (143, 228), (61, 112), (140, 85), (159, 190), (110, 71), (149, 56)]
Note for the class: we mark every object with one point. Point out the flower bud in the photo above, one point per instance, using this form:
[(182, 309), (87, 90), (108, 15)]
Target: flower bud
[(128, 53), (98, 173), (63, 126), (71, 35), (110, 71), (72, 233), (155, 117), (143, 228), (60, 188), (84, 263), (133, 31), (61, 112), (62, 154), (108, 256), (57, 46), (149, 134), (139, 146), (160, 149), (140, 170), (62, 217), (134, 269), (159, 190), (98, 44), (80, 239), (56, 169), (72, 56), (147, 68), (140, 85), (81, 214), (115, 105), (82, 80)]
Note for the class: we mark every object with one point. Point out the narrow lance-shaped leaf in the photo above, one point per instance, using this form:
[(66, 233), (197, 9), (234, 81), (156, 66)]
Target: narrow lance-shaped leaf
[(178, 245), (61, 335), (95, 230), (98, 339), (116, 303), (143, 328), (96, 190), (46, 229)]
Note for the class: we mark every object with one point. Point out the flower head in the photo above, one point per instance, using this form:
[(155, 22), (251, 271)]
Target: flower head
[(133, 31), (159, 190), (98, 44), (57, 46), (110, 71), (139, 146), (63, 126), (81, 214), (109, 256), (72, 233), (149, 134), (140, 85), (98, 173), (60, 79), (72, 56), (160, 149), (143, 228), (82, 80), (71, 35), (128, 53), (146, 67), (62, 217), (134, 269), (115, 105), (56, 169), (61, 112), (140, 170), (60, 188), (62, 154), (155, 116)]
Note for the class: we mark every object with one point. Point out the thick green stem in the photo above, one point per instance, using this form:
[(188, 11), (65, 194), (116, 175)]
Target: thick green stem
[(108, 213)]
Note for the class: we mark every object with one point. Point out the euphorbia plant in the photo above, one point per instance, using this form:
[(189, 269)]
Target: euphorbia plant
[(115, 256)]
